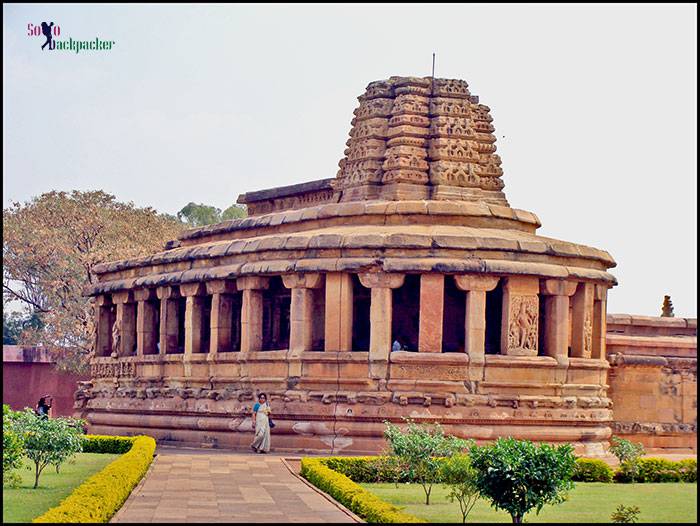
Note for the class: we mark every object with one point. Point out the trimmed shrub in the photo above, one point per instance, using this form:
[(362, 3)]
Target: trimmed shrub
[(354, 497), (107, 444), (658, 470), (592, 470), (688, 469), (100, 496), (12, 449)]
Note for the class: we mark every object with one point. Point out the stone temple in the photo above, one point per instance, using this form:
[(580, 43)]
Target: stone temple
[(406, 286)]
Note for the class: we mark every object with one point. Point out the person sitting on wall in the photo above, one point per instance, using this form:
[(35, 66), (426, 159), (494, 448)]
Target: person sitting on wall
[(43, 407), (396, 346)]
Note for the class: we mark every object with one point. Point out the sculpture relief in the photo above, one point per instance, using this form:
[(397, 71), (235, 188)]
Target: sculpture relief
[(587, 335), (522, 331), (116, 337)]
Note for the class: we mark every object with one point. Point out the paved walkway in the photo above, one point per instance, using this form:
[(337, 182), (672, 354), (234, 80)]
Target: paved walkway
[(189, 485)]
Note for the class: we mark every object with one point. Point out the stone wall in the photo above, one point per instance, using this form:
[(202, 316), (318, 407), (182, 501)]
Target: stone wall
[(29, 373), (653, 380)]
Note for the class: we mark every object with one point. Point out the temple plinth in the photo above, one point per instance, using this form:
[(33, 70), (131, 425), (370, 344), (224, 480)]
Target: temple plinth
[(404, 286)]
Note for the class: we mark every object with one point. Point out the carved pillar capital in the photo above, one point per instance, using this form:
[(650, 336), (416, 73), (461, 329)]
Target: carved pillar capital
[(221, 286), (309, 280), (167, 293), (144, 294), (381, 280), (601, 292), (123, 296), (557, 287), (475, 282), (192, 289), (253, 283), (103, 300)]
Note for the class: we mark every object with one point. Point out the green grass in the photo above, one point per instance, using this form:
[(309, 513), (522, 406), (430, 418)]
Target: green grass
[(588, 502), (24, 503)]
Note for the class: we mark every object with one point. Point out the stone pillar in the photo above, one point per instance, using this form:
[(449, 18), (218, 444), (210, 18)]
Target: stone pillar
[(432, 304), (600, 328), (582, 323), (193, 317), (520, 319), (556, 312), (126, 323), (103, 325), (380, 318), (146, 319), (221, 310), (251, 311), (300, 316), (476, 288), (339, 304), (168, 319)]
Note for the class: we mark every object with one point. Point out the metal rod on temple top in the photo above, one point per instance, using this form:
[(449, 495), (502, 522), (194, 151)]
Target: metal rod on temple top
[(432, 78)]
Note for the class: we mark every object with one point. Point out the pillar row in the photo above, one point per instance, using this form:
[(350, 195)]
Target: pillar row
[(125, 335), (194, 293), (103, 325), (600, 327), (432, 304), (582, 323), (146, 320), (476, 288), (221, 324)]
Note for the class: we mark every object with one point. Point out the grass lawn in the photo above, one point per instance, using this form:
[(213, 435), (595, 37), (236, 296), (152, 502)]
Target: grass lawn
[(25, 503), (588, 502)]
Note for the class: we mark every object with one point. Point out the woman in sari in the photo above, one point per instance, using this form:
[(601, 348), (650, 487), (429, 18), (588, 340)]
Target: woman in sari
[(261, 423)]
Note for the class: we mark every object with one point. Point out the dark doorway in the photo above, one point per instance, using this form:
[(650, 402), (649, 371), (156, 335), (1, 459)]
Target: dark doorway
[(181, 310), (494, 309), (205, 327), (361, 297), (406, 313), (453, 321), (236, 303), (277, 300)]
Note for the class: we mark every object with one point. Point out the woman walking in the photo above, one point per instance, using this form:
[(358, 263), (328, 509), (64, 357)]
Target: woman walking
[(261, 423)]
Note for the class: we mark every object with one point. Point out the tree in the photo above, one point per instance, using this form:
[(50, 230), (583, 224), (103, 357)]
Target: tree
[(12, 448), (420, 448), (628, 454), (14, 323), (51, 245), (48, 440), (196, 215), (457, 472), (518, 476)]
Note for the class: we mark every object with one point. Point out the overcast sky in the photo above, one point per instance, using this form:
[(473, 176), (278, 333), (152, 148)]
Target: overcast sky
[(594, 108)]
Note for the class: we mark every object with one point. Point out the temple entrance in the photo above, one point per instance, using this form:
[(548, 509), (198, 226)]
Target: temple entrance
[(277, 300), (494, 309), (406, 313), (361, 297), (453, 318)]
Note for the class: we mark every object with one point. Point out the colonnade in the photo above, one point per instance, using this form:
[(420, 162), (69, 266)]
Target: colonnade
[(552, 317)]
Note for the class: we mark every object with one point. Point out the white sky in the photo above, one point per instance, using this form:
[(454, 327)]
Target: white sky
[(594, 107)]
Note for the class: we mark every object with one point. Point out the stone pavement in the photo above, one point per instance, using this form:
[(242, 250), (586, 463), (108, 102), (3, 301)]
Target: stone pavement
[(190, 485)]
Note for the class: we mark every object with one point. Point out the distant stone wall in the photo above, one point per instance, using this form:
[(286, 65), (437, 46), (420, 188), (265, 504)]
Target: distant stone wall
[(29, 373), (653, 380)]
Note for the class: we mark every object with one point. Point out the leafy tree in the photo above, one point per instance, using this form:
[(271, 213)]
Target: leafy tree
[(518, 476), (457, 472), (419, 448), (51, 245), (196, 215), (234, 212), (625, 514), (14, 323), (48, 441), (628, 453), (12, 448)]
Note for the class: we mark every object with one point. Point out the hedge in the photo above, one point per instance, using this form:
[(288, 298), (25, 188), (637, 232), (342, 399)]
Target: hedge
[(107, 444), (354, 497), (592, 470), (659, 470), (99, 497)]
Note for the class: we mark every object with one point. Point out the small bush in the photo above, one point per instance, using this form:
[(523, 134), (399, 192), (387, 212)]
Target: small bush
[(592, 470), (354, 497), (100, 496), (459, 475), (625, 514)]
